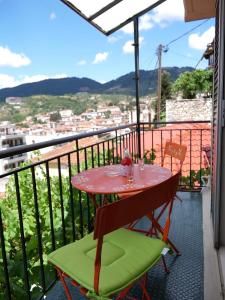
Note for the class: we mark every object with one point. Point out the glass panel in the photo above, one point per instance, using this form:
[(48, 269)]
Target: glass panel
[(114, 16), (122, 12), (87, 7)]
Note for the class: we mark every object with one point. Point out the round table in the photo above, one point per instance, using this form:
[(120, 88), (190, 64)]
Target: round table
[(109, 179)]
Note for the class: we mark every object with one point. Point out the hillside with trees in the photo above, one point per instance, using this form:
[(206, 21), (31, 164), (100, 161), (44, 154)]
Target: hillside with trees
[(122, 85)]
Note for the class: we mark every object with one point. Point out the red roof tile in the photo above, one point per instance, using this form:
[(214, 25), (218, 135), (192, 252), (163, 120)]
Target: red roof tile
[(194, 136)]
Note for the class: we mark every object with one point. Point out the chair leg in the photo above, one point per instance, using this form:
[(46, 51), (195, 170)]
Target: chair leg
[(178, 198), (61, 277), (145, 295), (164, 265), (144, 285)]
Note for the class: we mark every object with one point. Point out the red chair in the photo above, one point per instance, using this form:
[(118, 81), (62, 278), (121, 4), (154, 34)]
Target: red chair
[(113, 258)]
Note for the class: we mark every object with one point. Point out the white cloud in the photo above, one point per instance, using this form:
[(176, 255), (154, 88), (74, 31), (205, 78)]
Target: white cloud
[(144, 24), (11, 59), (128, 46), (100, 57), (113, 39), (82, 62), (200, 41), (162, 15), (6, 81), (10, 81), (129, 28), (52, 16), (169, 11)]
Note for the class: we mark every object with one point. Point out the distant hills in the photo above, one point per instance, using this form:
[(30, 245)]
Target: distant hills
[(71, 85)]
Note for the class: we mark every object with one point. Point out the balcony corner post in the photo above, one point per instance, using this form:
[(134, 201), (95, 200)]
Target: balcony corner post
[(136, 57)]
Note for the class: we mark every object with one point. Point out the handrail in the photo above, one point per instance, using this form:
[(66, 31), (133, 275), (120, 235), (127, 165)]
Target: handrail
[(175, 122), (27, 148)]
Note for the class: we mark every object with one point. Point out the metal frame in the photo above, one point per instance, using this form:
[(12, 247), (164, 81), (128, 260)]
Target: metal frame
[(96, 154), (218, 157), (136, 44), (137, 78), (106, 8)]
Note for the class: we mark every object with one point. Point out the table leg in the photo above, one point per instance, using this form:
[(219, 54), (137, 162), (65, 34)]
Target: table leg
[(93, 198)]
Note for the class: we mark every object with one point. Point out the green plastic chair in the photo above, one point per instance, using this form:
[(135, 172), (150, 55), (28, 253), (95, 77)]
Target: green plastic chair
[(112, 258)]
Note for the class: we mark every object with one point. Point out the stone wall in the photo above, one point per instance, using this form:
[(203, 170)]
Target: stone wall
[(189, 109)]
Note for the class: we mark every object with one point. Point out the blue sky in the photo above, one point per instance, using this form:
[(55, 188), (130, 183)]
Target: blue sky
[(45, 39)]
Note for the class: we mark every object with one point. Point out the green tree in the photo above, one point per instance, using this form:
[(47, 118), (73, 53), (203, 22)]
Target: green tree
[(107, 114), (166, 84), (192, 83), (55, 117), (11, 225), (166, 92)]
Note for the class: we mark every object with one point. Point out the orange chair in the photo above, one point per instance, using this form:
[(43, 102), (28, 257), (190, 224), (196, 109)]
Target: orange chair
[(175, 151), (113, 258), (172, 150)]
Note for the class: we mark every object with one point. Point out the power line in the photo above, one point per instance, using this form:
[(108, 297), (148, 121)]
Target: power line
[(176, 39), (183, 55), (199, 61), (187, 32), (151, 61), (156, 63)]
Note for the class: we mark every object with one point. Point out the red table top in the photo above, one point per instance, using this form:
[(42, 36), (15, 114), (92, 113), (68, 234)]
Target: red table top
[(108, 179)]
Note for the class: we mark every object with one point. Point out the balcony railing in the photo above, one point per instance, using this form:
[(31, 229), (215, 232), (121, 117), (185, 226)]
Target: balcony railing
[(41, 211)]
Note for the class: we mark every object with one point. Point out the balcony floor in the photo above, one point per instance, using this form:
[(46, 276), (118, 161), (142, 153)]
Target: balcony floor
[(186, 278)]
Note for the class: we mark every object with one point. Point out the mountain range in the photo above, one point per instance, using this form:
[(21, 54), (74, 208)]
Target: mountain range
[(122, 85)]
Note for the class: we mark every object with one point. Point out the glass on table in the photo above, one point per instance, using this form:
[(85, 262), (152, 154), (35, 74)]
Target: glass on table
[(141, 164), (130, 174)]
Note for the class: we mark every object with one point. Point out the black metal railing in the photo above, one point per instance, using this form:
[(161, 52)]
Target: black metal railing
[(41, 211)]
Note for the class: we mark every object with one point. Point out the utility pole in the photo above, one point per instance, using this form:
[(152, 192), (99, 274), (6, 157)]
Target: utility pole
[(159, 54)]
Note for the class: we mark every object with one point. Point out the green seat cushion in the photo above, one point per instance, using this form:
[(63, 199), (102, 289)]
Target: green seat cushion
[(126, 256)]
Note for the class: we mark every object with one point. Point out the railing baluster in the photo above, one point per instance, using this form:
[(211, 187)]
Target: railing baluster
[(180, 144), (152, 139), (171, 159), (50, 206), (98, 154), (190, 158), (116, 146), (143, 139), (124, 146), (79, 192), (87, 197), (103, 154), (92, 157), (113, 153), (85, 159), (38, 227), (61, 202), (22, 237), (71, 200), (132, 144), (161, 143), (120, 147), (129, 142), (4, 259), (200, 157), (108, 152), (125, 141), (135, 144)]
